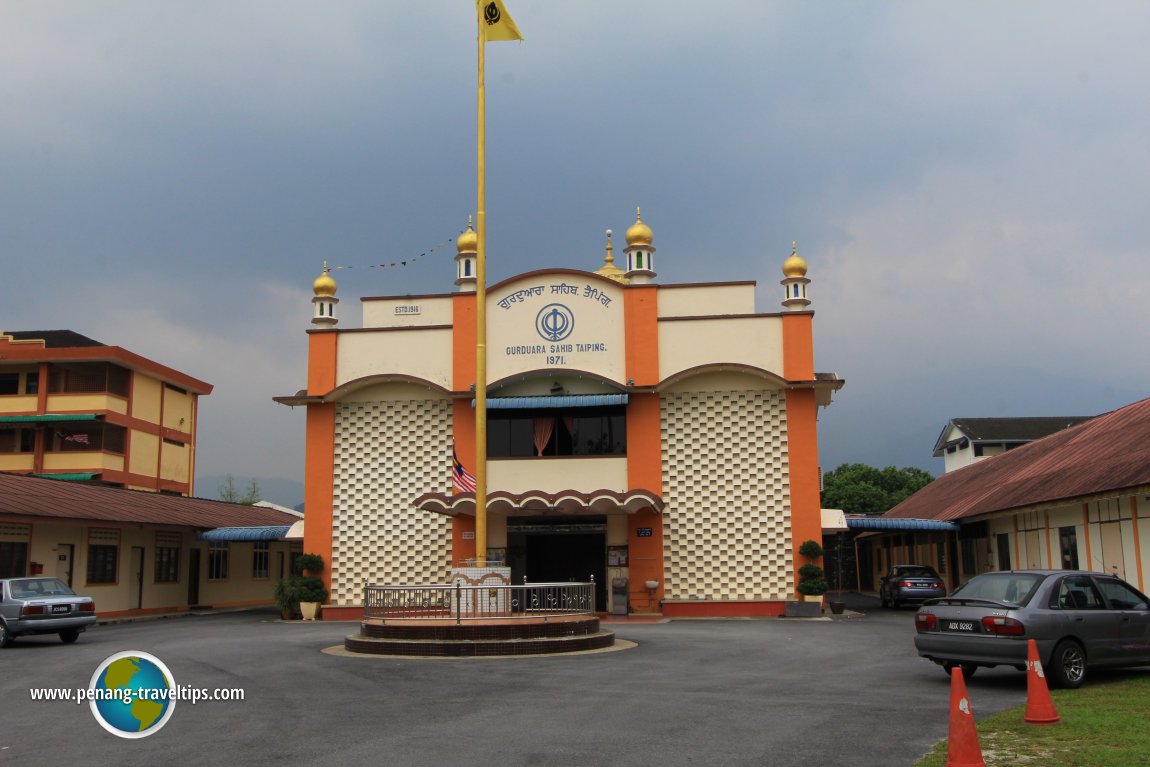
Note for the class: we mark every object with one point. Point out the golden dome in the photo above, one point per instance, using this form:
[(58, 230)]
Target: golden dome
[(795, 266), (467, 242), (324, 285), (638, 233)]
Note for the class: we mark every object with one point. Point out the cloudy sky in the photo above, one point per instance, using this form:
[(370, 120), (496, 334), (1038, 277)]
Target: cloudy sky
[(968, 181)]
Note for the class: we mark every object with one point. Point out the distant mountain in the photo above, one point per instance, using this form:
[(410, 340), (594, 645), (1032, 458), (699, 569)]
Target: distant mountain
[(285, 492)]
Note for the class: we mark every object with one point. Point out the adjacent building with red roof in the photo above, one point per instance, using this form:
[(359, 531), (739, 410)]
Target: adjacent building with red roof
[(1075, 499)]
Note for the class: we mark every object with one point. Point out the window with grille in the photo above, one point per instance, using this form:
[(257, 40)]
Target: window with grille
[(260, 557), (103, 555), (167, 558), (13, 559), (218, 560), (92, 377)]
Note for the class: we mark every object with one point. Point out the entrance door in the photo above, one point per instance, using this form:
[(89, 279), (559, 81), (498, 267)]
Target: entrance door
[(1113, 560), (136, 596), (560, 550), (193, 577), (64, 553)]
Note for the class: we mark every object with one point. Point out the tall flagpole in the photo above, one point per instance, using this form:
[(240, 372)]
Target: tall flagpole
[(481, 324)]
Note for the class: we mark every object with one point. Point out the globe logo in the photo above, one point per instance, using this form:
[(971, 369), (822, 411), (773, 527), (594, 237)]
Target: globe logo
[(132, 694), (554, 322)]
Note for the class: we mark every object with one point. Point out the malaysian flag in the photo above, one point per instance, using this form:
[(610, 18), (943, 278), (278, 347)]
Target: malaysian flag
[(461, 477)]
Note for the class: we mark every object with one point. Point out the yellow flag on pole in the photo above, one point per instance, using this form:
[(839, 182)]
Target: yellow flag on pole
[(495, 21)]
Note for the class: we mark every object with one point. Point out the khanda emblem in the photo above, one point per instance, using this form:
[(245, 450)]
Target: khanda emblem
[(554, 322), (491, 14)]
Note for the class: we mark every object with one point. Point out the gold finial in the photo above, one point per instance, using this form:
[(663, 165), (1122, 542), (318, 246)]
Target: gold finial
[(794, 247), (638, 213), (608, 269)]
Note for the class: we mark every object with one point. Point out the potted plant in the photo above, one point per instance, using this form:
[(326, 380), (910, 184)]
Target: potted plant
[(312, 594), (812, 583), (286, 595), (836, 602), (309, 564)]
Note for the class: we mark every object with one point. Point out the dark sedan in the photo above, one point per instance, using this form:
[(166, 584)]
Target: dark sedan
[(1079, 620), (910, 583)]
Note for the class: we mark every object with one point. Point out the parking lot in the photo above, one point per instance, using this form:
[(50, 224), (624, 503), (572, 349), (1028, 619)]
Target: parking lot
[(734, 692)]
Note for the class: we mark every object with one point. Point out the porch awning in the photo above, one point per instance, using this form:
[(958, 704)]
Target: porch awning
[(896, 523), (54, 418), (72, 476), (568, 502), (269, 533), (554, 401)]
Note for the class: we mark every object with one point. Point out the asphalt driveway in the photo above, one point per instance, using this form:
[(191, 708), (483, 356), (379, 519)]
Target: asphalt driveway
[(738, 692)]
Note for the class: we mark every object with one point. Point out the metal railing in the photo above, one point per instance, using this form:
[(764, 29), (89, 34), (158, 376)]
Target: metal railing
[(461, 602)]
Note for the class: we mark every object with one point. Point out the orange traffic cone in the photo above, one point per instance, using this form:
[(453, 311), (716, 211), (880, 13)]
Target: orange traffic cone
[(1039, 705), (962, 748)]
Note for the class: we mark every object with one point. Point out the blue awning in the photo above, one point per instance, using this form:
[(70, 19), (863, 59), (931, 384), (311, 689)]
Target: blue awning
[(269, 533), (555, 401), (895, 523)]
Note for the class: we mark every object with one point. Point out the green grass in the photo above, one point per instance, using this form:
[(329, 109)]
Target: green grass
[(1104, 724)]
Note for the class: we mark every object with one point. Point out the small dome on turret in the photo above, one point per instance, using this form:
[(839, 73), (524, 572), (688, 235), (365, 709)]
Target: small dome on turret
[(639, 233), (324, 285), (795, 265), (468, 241)]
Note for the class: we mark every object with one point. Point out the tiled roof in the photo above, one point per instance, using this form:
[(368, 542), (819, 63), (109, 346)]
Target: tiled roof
[(1013, 430), (1108, 453), (50, 498)]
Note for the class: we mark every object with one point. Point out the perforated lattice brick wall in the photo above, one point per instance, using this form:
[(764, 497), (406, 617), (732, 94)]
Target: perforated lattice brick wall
[(726, 485), (387, 454)]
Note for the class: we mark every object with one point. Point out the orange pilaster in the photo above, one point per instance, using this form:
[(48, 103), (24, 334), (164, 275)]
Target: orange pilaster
[(319, 484), (644, 445), (319, 457), (463, 307), (641, 320), (802, 439), (798, 346), (463, 420), (463, 342), (802, 434), (321, 361)]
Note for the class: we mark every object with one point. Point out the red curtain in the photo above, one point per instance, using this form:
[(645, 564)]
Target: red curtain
[(543, 429)]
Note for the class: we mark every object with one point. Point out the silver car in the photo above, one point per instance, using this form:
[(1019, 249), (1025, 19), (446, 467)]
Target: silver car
[(1079, 620), (42, 606)]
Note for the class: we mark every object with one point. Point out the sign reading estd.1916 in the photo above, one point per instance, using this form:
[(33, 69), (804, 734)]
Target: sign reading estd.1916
[(644, 532)]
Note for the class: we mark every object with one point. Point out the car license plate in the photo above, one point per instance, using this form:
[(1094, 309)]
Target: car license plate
[(963, 626), (60, 608)]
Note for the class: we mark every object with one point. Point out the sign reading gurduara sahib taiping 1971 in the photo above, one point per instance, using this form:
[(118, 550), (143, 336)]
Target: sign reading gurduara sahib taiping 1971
[(558, 309)]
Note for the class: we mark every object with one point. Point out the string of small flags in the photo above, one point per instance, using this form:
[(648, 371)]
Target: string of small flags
[(396, 264)]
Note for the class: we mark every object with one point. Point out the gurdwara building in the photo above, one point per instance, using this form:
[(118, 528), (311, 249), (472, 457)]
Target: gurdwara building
[(664, 435)]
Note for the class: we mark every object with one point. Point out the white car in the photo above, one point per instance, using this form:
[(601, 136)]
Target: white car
[(39, 605)]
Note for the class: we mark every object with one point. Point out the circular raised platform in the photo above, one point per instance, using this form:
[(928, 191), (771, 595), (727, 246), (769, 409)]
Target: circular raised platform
[(491, 637)]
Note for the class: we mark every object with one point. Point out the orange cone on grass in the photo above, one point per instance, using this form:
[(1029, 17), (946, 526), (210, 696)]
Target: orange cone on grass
[(962, 748), (1039, 705)]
